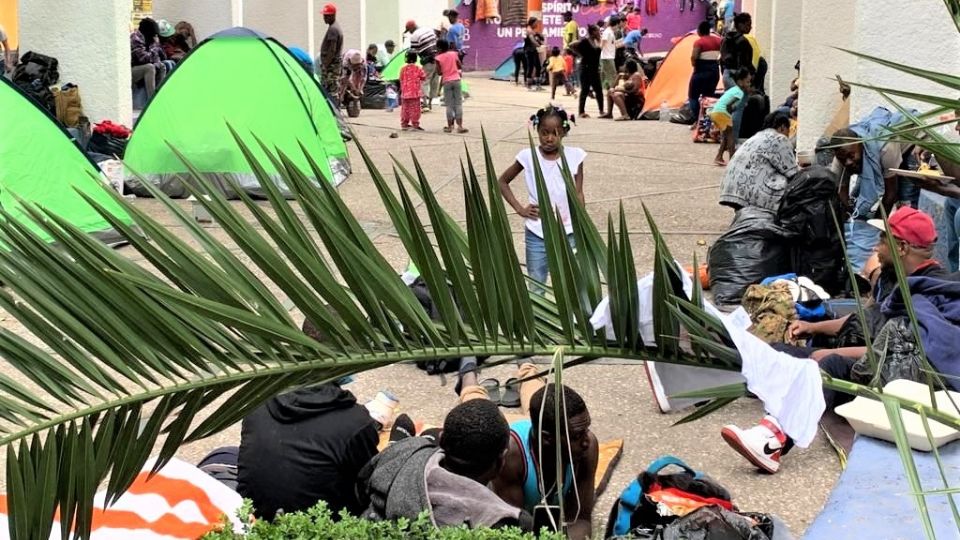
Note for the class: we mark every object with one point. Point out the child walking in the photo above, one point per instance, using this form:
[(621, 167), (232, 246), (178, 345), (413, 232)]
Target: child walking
[(722, 113), (557, 70), (552, 124), (449, 64), (411, 80)]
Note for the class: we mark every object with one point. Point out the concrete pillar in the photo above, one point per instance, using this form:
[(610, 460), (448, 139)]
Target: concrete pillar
[(91, 40), (288, 26), (824, 24), (762, 13), (207, 17), (933, 44), (784, 50)]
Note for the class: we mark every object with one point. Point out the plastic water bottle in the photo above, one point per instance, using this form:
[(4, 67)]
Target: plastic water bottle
[(383, 407), (664, 111)]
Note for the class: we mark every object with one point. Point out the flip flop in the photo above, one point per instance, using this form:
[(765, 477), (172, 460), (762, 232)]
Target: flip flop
[(492, 386), (511, 394)]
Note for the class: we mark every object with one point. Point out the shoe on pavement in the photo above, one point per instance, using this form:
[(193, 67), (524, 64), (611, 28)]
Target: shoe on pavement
[(762, 444)]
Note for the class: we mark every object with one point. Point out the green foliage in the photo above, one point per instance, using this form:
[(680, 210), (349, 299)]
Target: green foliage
[(317, 524)]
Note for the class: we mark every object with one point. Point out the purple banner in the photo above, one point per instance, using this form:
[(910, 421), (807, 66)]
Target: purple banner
[(491, 44)]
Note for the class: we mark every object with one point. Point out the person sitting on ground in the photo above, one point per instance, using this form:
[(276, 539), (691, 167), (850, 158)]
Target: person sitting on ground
[(146, 56), (174, 45), (305, 446), (373, 58), (723, 111), (763, 166), (185, 29), (913, 233), (448, 481), (628, 94)]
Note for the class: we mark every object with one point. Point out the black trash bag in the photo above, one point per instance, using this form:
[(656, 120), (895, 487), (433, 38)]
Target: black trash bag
[(807, 212), (104, 143), (374, 94), (684, 116), (754, 247), (715, 523)]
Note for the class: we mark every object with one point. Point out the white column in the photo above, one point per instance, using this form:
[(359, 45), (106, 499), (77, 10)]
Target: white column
[(923, 36), (784, 48), (824, 24), (91, 40), (762, 11), (311, 28), (207, 17)]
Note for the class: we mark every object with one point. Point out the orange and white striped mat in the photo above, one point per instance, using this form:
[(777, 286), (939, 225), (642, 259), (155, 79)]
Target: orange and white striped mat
[(179, 502)]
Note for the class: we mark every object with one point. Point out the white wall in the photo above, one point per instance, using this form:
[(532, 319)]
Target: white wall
[(207, 16), (383, 21), (923, 36), (824, 24), (762, 13), (91, 40), (288, 25), (784, 48)]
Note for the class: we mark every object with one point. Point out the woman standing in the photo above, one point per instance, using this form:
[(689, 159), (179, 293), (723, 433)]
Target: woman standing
[(531, 53), (588, 49), (706, 67)]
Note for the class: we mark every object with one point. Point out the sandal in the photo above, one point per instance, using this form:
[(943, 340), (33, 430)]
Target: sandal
[(448, 129), (606, 116), (492, 386), (720, 163), (584, 115), (621, 119), (511, 394), (463, 130)]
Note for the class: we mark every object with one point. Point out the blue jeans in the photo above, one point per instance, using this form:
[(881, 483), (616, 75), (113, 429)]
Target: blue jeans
[(946, 218), (861, 239), (537, 267)]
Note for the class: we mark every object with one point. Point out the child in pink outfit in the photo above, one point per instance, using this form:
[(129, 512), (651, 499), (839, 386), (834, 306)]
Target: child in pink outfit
[(411, 79)]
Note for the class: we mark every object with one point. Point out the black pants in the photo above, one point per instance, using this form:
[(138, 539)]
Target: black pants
[(590, 80), (703, 82), (519, 66), (532, 73)]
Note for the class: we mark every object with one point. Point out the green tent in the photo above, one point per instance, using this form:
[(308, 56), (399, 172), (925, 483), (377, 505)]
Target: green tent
[(255, 84), (40, 164)]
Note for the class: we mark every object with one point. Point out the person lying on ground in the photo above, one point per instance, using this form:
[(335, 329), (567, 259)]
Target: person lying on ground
[(448, 480), (723, 110), (519, 482), (761, 169), (937, 299), (628, 94)]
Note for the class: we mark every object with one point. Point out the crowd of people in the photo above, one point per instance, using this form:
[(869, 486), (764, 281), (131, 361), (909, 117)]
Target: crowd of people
[(156, 47)]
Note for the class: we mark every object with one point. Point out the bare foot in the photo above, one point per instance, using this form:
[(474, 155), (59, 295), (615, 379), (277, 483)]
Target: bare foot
[(719, 162)]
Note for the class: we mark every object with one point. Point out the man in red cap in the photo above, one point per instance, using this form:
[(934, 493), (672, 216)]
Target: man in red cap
[(328, 65), (914, 235), (423, 41)]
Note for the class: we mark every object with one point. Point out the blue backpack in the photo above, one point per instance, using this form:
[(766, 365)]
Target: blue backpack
[(633, 511)]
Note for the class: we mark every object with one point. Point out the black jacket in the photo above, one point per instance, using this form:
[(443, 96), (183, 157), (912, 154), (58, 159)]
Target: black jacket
[(305, 446), (736, 51)]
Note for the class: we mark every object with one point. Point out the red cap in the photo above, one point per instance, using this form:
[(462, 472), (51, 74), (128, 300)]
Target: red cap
[(411, 25), (911, 226), (329, 9)]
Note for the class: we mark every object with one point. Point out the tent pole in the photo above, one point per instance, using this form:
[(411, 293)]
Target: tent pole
[(311, 31)]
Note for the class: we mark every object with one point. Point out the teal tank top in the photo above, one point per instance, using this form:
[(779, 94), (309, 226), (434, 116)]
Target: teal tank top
[(532, 496)]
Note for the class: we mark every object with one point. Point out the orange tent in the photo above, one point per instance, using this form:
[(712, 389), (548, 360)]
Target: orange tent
[(672, 81)]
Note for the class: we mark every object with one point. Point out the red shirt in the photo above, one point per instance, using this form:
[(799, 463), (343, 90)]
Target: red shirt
[(449, 68), (569, 61), (411, 75), (708, 43), (634, 21)]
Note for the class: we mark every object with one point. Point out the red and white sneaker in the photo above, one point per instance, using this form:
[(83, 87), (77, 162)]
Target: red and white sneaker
[(762, 444)]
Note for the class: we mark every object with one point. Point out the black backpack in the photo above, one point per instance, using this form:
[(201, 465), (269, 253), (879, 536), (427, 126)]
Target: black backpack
[(34, 75), (443, 365)]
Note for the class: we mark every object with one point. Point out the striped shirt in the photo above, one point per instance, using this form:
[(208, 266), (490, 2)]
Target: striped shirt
[(424, 42)]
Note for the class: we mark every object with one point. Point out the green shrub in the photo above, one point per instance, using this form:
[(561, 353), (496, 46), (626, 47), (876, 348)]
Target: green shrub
[(317, 524)]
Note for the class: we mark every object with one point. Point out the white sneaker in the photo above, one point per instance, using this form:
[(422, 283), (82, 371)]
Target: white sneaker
[(762, 444)]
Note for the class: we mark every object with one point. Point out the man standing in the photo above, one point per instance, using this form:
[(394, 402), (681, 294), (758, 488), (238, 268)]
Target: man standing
[(571, 30), (423, 41), (861, 150), (456, 33), (608, 54), (329, 66)]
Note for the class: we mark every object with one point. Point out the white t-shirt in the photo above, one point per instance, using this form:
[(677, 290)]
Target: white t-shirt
[(609, 44), (553, 177)]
